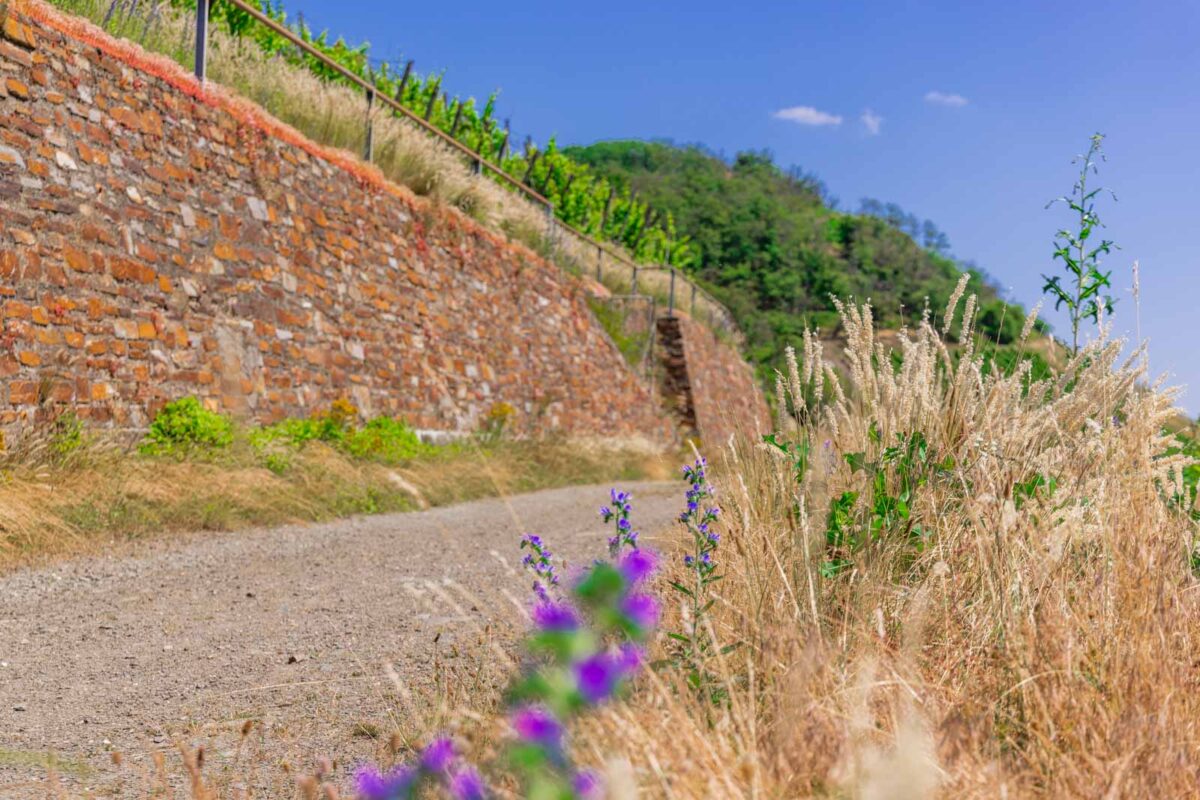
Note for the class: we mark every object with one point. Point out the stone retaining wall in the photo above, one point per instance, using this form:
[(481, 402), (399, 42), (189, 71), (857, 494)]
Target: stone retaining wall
[(158, 241)]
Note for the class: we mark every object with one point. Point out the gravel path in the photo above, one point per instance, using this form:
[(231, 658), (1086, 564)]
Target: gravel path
[(185, 640)]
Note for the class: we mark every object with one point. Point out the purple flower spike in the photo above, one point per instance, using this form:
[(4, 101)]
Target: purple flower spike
[(641, 609), (537, 725), (398, 784), (638, 565), (552, 616), (438, 756), (467, 785)]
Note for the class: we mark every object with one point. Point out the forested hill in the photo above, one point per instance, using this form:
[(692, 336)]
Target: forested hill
[(773, 251)]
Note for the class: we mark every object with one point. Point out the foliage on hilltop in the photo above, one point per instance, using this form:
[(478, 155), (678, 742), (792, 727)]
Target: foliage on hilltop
[(772, 246)]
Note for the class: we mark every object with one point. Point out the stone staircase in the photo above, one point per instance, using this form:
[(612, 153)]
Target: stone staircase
[(676, 386)]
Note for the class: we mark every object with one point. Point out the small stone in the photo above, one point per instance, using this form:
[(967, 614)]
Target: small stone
[(258, 209), (10, 156), (18, 707), (17, 89), (64, 161), (295, 659), (189, 216)]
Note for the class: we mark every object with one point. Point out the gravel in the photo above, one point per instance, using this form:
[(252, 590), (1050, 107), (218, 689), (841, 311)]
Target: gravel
[(185, 639)]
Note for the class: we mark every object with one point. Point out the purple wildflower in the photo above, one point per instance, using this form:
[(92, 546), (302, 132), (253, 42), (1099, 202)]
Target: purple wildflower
[(638, 565), (438, 755), (629, 658), (370, 784), (551, 616), (537, 725), (640, 609), (467, 785), (586, 785), (597, 677)]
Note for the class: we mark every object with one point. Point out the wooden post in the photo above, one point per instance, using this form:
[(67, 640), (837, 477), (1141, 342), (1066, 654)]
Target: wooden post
[(671, 296), (404, 81), (612, 192), (550, 228), (504, 143), (369, 146), (599, 261), (201, 40), (693, 300), (529, 169), (429, 106), (457, 118), (633, 286)]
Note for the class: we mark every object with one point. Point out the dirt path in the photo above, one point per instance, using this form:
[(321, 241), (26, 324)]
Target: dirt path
[(290, 628)]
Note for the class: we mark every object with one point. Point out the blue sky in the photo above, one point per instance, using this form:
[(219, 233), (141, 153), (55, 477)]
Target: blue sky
[(1019, 87)]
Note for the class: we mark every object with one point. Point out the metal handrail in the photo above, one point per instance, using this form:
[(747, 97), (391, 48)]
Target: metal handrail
[(477, 158)]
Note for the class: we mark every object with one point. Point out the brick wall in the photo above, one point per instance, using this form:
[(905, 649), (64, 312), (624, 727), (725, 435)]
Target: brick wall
[(157, 241)]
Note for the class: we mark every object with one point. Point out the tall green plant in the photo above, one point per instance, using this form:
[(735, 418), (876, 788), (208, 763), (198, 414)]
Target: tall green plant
[(1083, 296)]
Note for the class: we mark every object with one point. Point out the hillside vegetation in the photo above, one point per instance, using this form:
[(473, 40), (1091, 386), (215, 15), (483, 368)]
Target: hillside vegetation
[(774, 251)]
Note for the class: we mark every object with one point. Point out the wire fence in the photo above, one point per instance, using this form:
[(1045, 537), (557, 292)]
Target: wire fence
[(675, 291)]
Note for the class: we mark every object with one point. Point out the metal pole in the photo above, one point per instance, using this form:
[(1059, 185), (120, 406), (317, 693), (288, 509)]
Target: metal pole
[(201, 39), (369, 148), (671, 298)]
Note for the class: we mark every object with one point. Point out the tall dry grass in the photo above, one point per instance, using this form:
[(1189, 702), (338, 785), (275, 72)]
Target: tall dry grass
[(1040, 647)]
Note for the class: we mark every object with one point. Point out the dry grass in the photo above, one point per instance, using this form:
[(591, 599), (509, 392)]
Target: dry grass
[(53, 506), (1046, 650)]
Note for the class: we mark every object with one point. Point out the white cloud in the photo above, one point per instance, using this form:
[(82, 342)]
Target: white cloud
[(945, 99), (807, 115), (871, 121)]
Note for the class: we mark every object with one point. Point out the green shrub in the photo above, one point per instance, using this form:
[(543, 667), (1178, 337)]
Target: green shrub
[(385, 439), (185, 425), (68, 434), (381, 439)]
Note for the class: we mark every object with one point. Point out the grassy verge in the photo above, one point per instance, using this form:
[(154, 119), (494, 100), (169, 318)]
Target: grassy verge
[(63, 493)]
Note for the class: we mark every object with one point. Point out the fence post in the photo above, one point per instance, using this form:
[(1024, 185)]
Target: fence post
[(671, 297), (693, 301), (599, 261), (633, 288), (550, 228), (404, 82), (201, 40), (653, 335), (369, 147)]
